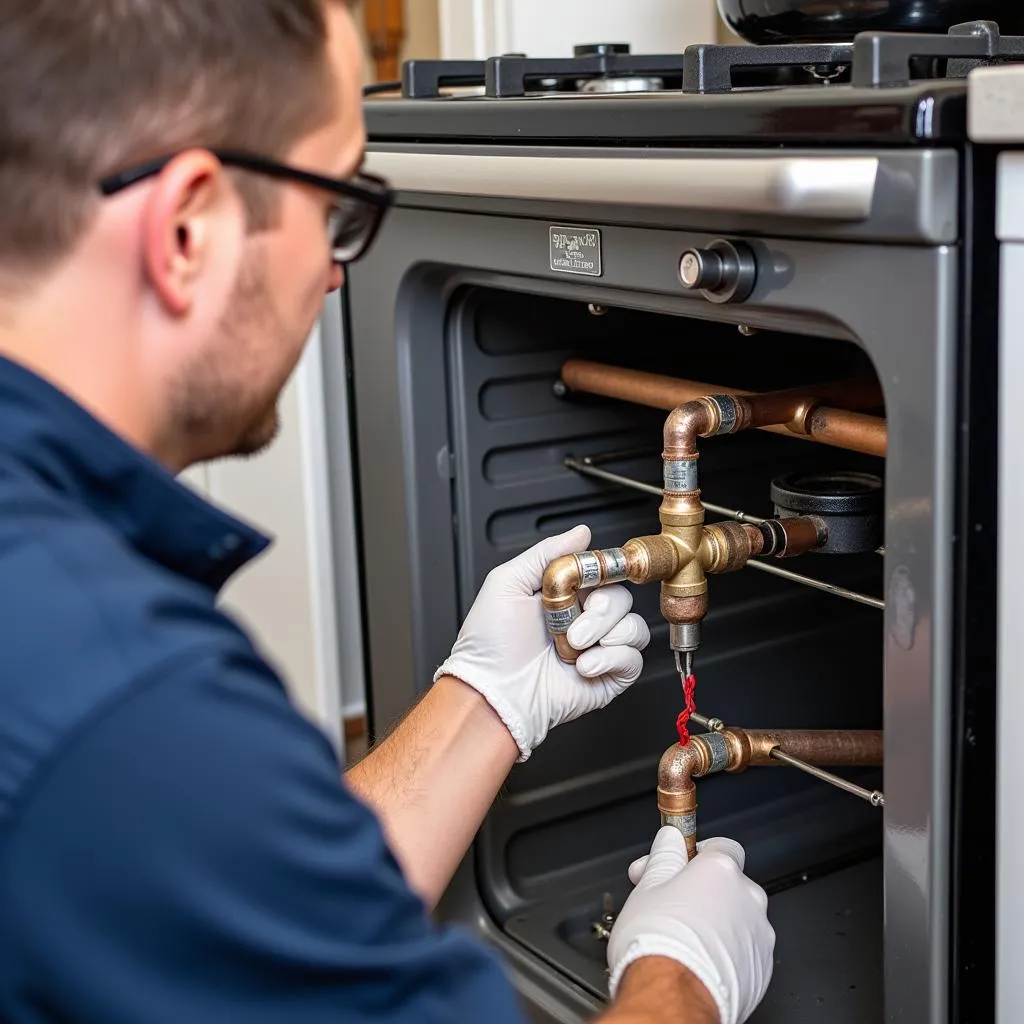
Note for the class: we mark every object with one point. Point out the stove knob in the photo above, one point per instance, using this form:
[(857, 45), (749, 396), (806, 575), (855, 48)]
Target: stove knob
[(723, 272), (702, 268), (600, 49)]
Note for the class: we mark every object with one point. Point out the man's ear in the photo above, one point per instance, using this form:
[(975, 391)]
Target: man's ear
[(182, 216)]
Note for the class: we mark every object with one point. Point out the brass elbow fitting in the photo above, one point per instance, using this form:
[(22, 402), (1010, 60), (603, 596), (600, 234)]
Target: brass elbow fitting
[(640, 560), (677, 793), (559, 590)]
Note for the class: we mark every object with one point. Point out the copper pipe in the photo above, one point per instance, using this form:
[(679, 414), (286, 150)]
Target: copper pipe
[(827, 747), (733, 750), (663, 392), (851, 430), (796, 412)]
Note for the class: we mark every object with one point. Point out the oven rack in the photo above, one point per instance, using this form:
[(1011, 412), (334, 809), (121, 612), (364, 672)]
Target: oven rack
[(590, 465)]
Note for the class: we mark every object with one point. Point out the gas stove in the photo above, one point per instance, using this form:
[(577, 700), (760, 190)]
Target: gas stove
[(880, 87), (760, 217)]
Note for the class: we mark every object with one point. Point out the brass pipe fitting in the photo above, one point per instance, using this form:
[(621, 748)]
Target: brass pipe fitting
[(685, 550), (684, 595), (734, 750), (724, 547), (669, 557), (727, 547), (639, 560)]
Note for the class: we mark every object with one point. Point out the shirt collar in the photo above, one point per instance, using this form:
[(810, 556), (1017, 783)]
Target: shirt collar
[(73, 453)]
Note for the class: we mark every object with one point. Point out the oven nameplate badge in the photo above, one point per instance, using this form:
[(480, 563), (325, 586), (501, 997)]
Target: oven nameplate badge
[(575, 250)]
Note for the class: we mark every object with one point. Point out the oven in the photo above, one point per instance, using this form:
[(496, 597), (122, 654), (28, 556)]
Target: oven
[(556, 265)]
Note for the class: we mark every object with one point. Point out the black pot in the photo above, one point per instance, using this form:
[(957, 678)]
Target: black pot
[(804, 21)]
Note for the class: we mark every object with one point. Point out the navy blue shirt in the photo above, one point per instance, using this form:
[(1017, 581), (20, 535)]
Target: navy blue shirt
[(176, 841)]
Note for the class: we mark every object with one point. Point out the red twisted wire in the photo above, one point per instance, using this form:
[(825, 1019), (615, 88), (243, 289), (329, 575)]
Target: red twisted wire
[(682, 722)]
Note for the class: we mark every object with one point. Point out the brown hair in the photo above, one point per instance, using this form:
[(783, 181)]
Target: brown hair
[(88, 87)]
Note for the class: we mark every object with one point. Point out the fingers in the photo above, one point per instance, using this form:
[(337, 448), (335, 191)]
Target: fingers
[(667, 857), (620, 635), (727, 847), (621, 665), (732, 852), (525, 572), (631, 631), (635, 871), (668, 841), (603, 610)]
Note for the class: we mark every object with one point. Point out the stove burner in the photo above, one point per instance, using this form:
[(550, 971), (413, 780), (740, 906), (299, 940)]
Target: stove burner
[(873, 59), (623, 85), (851, 505), (514, 75)]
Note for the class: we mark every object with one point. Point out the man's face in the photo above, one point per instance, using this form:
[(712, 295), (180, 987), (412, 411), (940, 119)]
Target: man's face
[(225, 397)]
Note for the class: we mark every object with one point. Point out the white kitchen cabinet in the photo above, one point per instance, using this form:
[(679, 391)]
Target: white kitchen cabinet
[(995, 97)]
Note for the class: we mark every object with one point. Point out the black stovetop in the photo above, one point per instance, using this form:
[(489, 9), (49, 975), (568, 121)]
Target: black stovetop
[(886, 88)]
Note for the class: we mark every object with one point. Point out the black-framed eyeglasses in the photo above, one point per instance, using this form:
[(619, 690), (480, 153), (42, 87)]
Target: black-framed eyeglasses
[(356, 213)]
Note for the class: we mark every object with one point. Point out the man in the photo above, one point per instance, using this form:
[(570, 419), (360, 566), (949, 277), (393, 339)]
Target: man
[(176, 843)]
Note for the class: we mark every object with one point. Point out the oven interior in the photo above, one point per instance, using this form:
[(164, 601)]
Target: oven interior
[(552, 855)]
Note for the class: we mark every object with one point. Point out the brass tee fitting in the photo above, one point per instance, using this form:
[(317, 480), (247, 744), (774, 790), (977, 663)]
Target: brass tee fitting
[(685, 550)]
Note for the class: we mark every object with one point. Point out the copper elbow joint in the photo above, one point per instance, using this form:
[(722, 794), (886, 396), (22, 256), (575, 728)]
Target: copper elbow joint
[(686, 423), (639, 560), (677, 794), (679, 766), (559, 590), (734, 749)]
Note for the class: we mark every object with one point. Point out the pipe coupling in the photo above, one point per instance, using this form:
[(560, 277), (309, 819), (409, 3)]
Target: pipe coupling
[(684, 637), (726, 416)]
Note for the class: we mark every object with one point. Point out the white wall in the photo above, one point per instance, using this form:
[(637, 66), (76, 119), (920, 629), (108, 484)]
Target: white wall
[(286, 598), (546, 28)]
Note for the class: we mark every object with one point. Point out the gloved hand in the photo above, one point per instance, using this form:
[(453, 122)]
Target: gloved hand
[(706, 915), (504, 652)]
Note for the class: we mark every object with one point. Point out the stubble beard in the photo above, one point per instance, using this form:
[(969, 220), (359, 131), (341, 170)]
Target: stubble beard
[(216, 408)]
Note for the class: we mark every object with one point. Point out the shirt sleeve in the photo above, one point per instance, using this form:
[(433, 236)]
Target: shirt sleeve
[(194, 856)]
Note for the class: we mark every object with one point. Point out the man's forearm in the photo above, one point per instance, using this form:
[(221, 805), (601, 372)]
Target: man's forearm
[(659, 989), (432, 781)]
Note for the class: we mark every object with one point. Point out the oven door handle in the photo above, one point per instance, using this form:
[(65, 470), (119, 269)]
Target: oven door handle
[(827, 188)]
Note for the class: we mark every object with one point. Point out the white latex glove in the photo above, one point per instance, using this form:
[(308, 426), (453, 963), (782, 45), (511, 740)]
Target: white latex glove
[(504, 652), (706, 915)]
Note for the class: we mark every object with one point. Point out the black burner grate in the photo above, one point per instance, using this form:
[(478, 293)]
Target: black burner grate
[(710, 68), (872, 60), (886, 58)]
